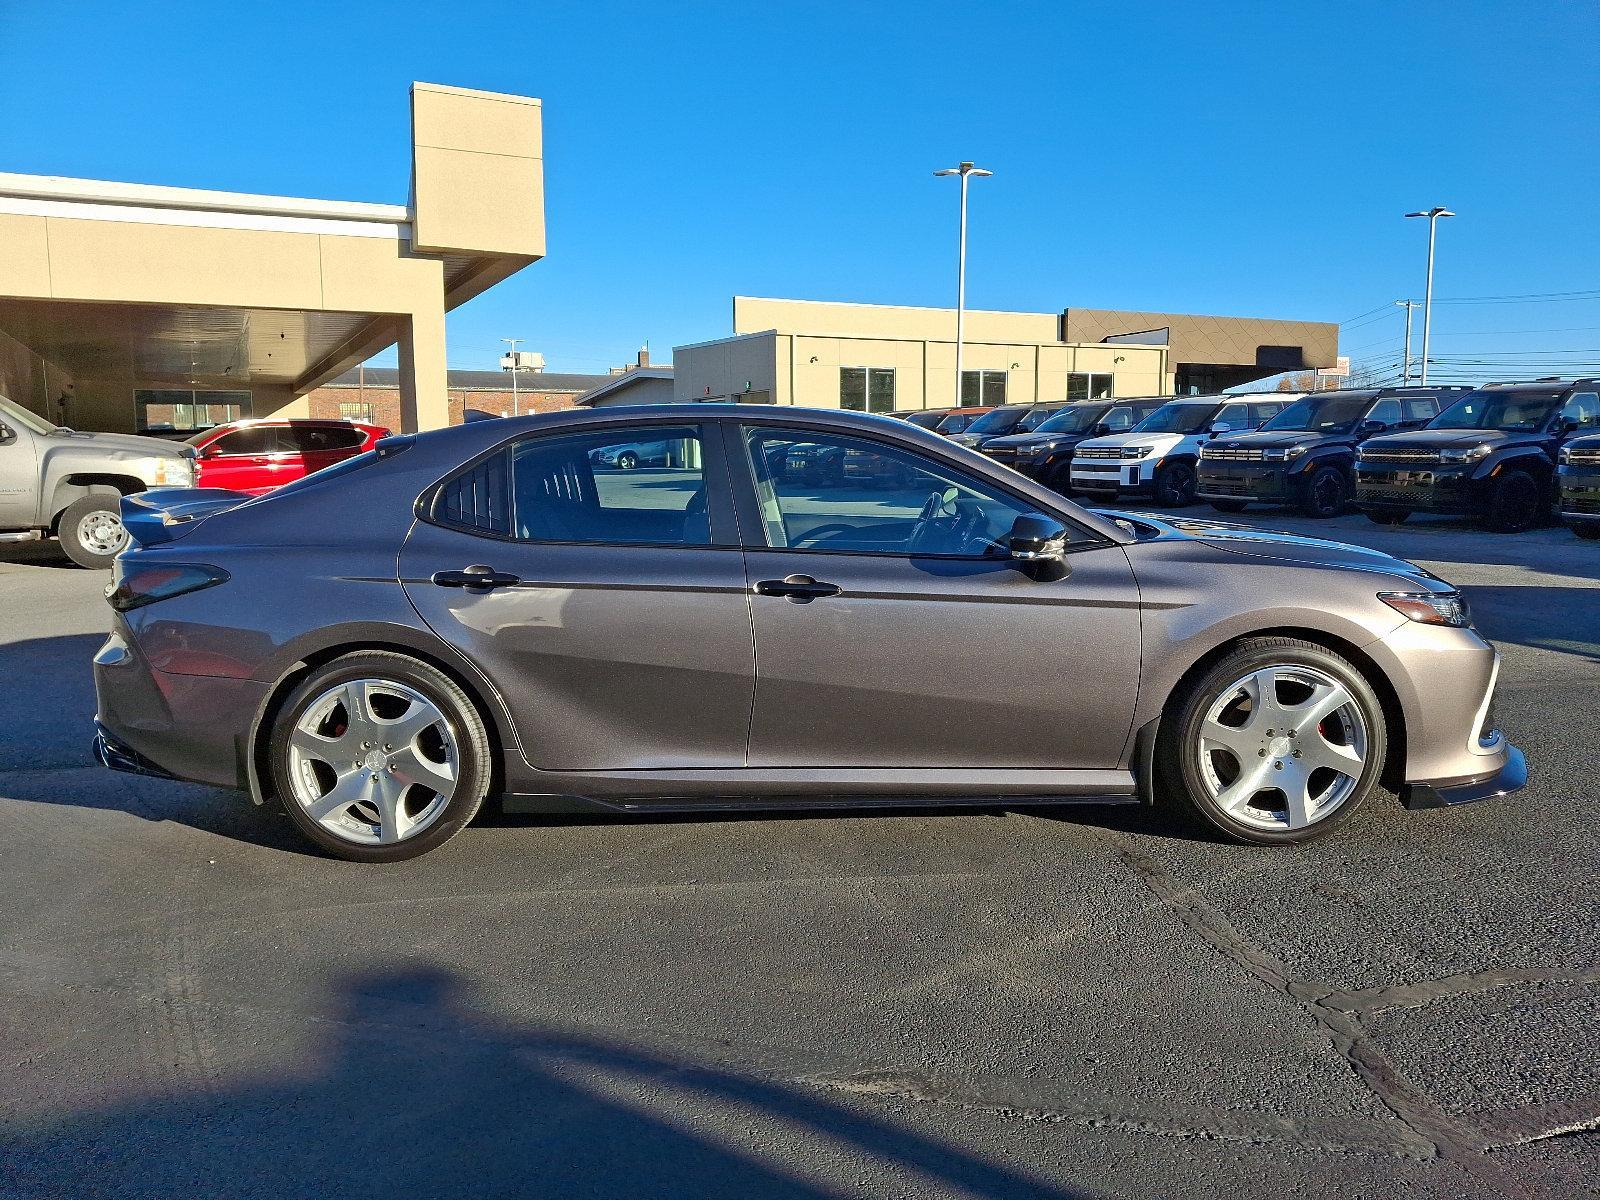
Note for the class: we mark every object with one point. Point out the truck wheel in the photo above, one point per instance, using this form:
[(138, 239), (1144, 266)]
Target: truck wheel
[(1388, 516), (1175, 484), (1514, 503), (1327, 492), (91, 531)]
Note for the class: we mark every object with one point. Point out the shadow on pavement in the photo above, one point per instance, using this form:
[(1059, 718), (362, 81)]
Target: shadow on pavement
[(415, 1093)]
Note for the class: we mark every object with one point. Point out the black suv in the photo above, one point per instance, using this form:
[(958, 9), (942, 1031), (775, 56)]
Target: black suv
[(1306, 455), (1008, 418), (1045, 453), (1490, 455), (1580, 483)]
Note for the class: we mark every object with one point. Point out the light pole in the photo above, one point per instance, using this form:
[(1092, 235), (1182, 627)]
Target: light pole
[(1433, 214), (965, 170), (1405, 367), (509, 362)]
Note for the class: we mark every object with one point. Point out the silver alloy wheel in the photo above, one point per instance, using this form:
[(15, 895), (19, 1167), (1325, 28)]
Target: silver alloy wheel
[(1283, 747), (373, 761), (102, 532)]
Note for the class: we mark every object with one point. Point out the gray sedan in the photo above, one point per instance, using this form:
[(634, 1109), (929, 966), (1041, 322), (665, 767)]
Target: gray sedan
[(509, 618)]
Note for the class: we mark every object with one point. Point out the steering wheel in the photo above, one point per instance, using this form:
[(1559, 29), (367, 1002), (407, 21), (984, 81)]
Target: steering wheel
[(938, 516), (820, 532)]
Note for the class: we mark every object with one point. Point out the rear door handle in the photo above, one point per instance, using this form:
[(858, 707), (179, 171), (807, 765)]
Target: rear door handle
[(800, 589), (476, 578)]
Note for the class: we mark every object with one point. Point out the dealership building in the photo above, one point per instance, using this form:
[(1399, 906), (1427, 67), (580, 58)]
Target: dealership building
[(119, 301), (882, 358)]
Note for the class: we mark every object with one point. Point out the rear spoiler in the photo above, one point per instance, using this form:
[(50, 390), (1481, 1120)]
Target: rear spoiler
[(167, 514)]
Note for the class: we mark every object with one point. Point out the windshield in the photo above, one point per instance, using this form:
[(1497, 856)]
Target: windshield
[(31, 421), (1176, 418), (1320, 414), (1035, 418), (1511, 411), (998, 420), (957, 422), (1074, 418)]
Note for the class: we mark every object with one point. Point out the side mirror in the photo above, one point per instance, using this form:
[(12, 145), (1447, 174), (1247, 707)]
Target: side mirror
[(1566, 425), (1041, 543), (7, 434), (1369, 427), (1222, 427)]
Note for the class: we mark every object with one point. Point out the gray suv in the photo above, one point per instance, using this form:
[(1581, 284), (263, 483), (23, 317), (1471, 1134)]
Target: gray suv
[(510, 619), (57, 482)]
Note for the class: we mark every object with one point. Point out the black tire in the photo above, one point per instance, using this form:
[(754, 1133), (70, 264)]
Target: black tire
[(1514, 503), (1175, 484), (1387, 516), (1230, 506), (1589, 531), (1327, 493), (71, 530), (474, 766), (1178, 767), (627, 460)]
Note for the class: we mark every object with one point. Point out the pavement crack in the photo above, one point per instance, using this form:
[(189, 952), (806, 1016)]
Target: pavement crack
[(1370, 1001)]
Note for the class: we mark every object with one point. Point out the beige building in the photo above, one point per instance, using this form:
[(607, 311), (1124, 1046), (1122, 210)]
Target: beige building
[(881, 358), (121, 299)]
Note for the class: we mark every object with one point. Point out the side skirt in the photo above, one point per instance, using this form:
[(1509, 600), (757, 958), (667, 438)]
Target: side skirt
[(563, 805)]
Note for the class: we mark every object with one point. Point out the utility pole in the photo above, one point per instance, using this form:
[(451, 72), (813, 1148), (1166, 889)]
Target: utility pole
[(510, 363), (1405, 369), (1433, 214), (965, 170)]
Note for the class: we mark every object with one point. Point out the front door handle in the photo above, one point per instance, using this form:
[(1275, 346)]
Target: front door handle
[(476, 578), (800, 589)]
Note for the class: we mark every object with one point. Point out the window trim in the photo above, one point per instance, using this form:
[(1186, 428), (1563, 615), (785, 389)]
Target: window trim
[(719, 500), (748, 505)]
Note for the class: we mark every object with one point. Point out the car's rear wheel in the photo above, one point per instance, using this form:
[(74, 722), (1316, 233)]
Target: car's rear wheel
[(1589, 531), (378, 757), (1175, 484), (1327, 492), (1230, 506), (1280, 741), (91, 531), (1514, 503), (627, 460), (1388, 516)]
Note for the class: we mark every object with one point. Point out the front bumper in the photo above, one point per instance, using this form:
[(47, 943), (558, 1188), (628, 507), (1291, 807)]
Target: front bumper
[(1580, 494), (1113, 477), (1266, 483), (1511, 777), (1426, 489)]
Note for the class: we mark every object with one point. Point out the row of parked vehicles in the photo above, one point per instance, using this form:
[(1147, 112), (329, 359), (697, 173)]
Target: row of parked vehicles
[(1507, 454)]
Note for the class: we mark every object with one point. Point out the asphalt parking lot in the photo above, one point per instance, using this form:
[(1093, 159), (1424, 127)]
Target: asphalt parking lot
[(987, 1003)]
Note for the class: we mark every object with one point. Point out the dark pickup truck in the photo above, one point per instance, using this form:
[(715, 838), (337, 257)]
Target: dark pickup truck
[(1490, 455), (1580, 486), (1305, 456)]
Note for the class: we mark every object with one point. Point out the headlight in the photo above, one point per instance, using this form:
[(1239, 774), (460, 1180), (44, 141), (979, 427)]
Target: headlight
[(1137, 451), (1284, 454), (1430, 608), (1471, 454), (172, 472)]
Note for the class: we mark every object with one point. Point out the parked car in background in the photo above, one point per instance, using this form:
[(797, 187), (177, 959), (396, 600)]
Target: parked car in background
[(956, 420), (1306, 455), (57, 482), (478, 628), (1159, 456), (1491, 455), (633, 455), (1579, 480), (1045, 452), (256, 456), (1007, 419), (922, 418)]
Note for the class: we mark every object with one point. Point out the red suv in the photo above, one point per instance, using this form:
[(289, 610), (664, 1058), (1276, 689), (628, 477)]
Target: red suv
[(257, 456)]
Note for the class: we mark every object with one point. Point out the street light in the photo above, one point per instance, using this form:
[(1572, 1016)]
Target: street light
[(1433, 214), (965, 170)]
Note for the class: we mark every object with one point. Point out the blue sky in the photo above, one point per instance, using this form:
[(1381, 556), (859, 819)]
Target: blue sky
[(1247, 159)]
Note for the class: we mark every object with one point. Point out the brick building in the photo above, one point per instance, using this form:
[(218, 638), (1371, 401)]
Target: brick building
[(373, 394)]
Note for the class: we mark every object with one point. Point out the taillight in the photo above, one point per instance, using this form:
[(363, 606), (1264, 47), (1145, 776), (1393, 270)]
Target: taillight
[(140, 584)]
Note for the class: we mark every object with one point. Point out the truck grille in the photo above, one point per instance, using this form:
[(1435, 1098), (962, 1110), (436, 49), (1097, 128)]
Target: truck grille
[(1583, 458), (1405, 456), (1100, 452), (1002, 452), (1221, 487), (1380, 495), (1223, 455), (1580, 504)]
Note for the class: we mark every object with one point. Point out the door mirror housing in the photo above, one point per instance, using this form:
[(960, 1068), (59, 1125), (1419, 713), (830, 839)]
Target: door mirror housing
[(1369, 427), (1040, 543), (1222, 427)]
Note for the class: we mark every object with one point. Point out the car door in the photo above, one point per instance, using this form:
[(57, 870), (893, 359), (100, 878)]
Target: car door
[(607, 606), (313, 447), (890, 633), (240, 460)]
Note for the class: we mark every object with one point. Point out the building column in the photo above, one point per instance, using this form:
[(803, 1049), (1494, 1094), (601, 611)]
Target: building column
[(424, 383)]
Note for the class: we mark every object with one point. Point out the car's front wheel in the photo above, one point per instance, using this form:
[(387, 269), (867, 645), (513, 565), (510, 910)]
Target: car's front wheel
[(1326, 494), (91, 531), (378, 757), (1515, 502), (627, 460), (1175, 485), (1280, 741)]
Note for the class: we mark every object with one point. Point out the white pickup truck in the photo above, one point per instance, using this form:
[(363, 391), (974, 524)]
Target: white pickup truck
[(56, 482)]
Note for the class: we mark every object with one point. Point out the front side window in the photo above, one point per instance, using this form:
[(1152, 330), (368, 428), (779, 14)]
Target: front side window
[(644, 485), (1037, 416), (1513, 412), (1088, 385), (866, 389), (1421, 408), (983, 387), (1584, 409), (261, 439), (1079, 418), (998, 420), (1322, 414), (826, 491)]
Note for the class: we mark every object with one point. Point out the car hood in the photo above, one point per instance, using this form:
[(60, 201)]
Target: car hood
[(1136, 439), (1286, 547), (127, 443), (1026, 441), (1444, 439), (1277, 439)]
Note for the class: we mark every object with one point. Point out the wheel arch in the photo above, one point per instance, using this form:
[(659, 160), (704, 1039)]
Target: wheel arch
[(75, 486)]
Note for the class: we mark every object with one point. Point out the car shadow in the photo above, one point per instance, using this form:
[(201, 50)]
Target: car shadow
[(38, 554), (404, 1086)]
